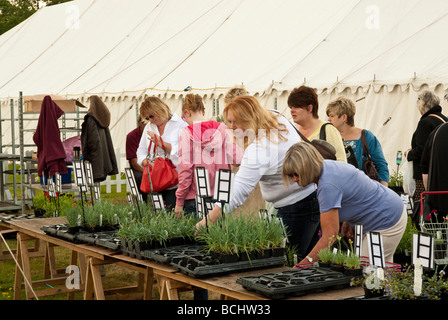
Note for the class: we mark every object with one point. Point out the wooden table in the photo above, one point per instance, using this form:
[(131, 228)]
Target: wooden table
[(89, 258), (170, 282)]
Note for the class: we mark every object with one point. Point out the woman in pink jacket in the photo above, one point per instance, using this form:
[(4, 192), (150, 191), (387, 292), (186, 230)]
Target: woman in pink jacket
[(202, 144)]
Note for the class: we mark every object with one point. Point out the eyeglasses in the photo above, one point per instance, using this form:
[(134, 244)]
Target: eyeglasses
[(293, 175), (149, 117)]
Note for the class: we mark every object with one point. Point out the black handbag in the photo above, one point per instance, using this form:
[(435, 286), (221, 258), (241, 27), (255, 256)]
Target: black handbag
[(368, 166)]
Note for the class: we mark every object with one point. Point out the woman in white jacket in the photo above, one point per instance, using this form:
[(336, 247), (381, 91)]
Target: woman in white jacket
[(268, 136), (161, 123)]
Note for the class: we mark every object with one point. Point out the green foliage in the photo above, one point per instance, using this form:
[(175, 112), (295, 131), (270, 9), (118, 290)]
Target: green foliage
[(237, 233), (405, 245), (60, 204), (39, 201), (326, 255), (155, 226), (396, 179), (14, 12), (352, 260), (74, 215), (400, 285)]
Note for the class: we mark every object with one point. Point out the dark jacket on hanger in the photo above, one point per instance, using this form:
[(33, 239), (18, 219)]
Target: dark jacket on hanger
[(428, 122), (50, 151), (434, 162), (96, 142)]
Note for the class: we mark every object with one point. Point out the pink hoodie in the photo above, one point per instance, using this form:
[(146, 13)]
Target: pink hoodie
[(205, 144)]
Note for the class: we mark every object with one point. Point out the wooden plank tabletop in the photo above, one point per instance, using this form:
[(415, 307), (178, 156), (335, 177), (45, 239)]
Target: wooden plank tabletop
[(32, 227)]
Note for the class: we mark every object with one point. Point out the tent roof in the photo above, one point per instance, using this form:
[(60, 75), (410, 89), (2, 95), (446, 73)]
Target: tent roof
[(114, 47)]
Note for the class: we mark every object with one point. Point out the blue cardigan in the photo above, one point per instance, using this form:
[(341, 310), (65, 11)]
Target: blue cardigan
[(376, 152)]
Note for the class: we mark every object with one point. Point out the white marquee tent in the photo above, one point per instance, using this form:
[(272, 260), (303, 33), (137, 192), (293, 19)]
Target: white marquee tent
[(380, 53)]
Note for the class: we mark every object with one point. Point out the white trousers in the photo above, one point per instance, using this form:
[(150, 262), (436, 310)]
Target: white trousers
[(391, 238)]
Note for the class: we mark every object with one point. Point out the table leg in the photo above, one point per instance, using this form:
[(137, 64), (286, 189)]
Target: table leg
[(23, 261), (94, 283)]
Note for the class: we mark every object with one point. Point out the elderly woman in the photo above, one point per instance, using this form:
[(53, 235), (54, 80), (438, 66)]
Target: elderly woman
[(268, 136), (161, 123), (431, 117), (341, 113), (347, 195), (304, 106)]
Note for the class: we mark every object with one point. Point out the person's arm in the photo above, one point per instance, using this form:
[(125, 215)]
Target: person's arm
[(142, 150), (249, 174), (185, 169), (329, 222), (421, 137), (334, 137), (134, 165), (378, 159)]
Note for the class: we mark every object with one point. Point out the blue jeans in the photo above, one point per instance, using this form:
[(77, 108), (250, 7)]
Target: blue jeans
[(302, 222)]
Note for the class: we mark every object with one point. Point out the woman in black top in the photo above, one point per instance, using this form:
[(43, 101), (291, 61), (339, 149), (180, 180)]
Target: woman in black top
[(435, 170), (429, 106)]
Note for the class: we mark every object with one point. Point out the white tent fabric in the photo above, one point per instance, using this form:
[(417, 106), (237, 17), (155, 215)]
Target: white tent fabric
[(379, 53)]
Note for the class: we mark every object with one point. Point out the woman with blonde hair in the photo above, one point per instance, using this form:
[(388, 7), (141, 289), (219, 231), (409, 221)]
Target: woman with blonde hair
[(202, 144), (268, 136), (347, 195), (162, 125), (341, 113)]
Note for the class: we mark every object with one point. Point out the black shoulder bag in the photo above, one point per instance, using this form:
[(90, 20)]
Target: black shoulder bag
[(368, 166)]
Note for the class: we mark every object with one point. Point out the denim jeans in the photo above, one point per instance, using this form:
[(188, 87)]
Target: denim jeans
[(302, 222)]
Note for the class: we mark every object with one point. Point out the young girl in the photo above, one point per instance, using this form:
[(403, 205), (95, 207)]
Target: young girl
[(202, 144)]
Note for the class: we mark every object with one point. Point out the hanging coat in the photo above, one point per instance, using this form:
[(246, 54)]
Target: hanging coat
[(96, 142), (50, 151)]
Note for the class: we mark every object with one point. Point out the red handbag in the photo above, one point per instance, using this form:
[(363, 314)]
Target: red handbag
[(162, 175)]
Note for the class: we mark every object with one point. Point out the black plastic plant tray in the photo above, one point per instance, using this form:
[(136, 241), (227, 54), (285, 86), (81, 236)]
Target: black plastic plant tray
[(198, 267), (109, 240), (166, 255), (14, 217), (194, 261), (61, 231), (294, 282)]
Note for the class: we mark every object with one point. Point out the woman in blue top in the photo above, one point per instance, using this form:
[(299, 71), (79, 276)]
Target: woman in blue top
[(345, 194), (341, 113)]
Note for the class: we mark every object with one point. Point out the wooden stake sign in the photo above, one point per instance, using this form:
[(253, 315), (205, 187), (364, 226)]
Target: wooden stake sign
[(132, 183), (157, 201), (223, 185), (358, 239), (376, 253), (80, 177), (202, 182), (203, 191), (203, 206), (423, 249)]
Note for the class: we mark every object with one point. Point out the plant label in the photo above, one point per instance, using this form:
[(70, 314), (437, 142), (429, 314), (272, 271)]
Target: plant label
[(202, 182), (223, 185), (423, 249), (376, 253)]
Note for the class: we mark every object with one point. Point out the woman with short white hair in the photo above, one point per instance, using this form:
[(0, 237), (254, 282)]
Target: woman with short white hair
[(431, 118)]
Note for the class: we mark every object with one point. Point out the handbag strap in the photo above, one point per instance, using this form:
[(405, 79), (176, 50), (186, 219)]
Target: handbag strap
[(431, 157), (156, 145), (437, 116), (365, 147)]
